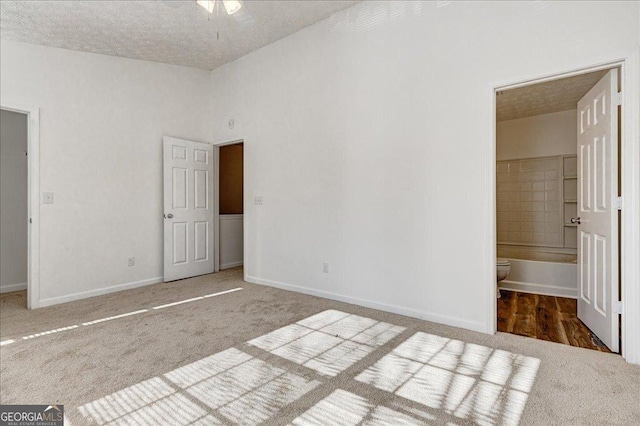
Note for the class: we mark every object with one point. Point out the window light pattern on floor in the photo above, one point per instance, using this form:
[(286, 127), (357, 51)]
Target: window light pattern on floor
[(144, 403), (115, 317), (328, 342), (346, 408), (468, 381), (243, 389), (425, 379), (230, 386)]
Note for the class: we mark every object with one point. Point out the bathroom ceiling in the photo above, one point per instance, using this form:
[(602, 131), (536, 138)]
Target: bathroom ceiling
[(159, 31), (545, 98)]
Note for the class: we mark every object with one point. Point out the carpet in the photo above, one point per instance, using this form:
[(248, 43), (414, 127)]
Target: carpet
[(217, 350)]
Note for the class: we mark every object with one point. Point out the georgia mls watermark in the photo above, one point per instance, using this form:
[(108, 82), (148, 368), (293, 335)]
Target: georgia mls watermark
[(31, 415)]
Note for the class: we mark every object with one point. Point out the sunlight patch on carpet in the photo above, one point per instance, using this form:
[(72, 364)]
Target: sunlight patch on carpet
[(328, 342), (346, 408), (230, 386), (425, 379), (115, 317), (468, 381)]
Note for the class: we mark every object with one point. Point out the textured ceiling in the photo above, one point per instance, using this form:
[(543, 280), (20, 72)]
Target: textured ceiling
[(545, 98), (174, 32)]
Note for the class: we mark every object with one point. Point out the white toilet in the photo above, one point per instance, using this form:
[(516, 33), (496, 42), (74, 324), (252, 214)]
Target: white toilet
[(504, 267)]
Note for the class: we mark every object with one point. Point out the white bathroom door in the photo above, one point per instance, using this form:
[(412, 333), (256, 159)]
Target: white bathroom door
[(188, 208), (597, 213)]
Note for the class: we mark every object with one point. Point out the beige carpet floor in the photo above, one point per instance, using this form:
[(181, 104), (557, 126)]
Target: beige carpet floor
[(263, 355)]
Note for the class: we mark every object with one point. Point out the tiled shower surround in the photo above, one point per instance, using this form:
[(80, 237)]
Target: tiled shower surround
[(529, 202)]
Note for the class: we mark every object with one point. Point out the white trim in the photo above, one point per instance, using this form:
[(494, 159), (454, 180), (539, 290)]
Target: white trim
[(531, 80), (630, 169), (231, 265), (490, 235), (216, 209), (414, 313), (33, 173), (534, 288), (8, 288), (630, 223), (231, 216), (99, 292)]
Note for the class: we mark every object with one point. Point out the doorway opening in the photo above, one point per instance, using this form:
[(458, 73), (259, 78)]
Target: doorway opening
[(230, 205), (557, 220), (14, 208), (20, 203)]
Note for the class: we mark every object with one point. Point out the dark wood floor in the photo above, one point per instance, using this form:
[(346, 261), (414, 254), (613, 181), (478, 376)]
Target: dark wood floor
[(545, 317)]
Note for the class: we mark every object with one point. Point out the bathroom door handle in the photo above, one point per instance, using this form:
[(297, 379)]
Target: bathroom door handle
[(575, 220), (168, 216)]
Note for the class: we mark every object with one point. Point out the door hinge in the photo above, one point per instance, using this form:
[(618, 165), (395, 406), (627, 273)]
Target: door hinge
[(30, 220), (618, 98), (617, 307), (617, 203)]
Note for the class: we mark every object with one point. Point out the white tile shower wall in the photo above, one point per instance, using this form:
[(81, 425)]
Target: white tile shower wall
[(529, 202)]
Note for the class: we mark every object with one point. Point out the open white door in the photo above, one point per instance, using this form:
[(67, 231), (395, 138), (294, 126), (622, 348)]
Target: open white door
[(598, 215), (188, 208)]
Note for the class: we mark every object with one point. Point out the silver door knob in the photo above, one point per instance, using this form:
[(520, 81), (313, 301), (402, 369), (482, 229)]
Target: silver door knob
[(169, 216), (575, 220)]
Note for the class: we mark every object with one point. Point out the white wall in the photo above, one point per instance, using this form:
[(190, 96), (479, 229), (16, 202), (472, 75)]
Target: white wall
[(13, 201), (388, 114), (538, 136), (231, 237), (101, 125)]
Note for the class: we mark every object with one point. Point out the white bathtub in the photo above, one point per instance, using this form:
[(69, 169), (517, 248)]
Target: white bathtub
[(540, 270)]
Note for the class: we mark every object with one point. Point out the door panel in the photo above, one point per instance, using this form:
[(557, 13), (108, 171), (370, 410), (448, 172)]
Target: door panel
[(202, 237), (179, 243), (202, 185), (188, 209), (180, 189), (598, 227)]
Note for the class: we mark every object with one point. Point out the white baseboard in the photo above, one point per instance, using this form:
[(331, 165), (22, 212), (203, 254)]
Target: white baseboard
[(8, 288), (544, 289), (231, 265), (414, 313), (98, 292)]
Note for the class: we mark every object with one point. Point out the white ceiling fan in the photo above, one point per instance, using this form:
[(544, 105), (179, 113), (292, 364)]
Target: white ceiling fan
[(234, 8)]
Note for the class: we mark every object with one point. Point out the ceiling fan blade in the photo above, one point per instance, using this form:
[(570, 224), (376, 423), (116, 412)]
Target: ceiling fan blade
[(243, 16)]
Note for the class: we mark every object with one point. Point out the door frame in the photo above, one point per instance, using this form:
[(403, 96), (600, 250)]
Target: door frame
[(629, 169), (33, 198), (216, 202)]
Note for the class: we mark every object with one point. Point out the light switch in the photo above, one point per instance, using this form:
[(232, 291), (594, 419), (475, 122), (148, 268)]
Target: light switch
[(47, 198), (258, 201)]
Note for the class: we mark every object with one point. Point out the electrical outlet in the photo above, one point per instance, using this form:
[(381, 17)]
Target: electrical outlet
[(131, 261), (47, 198), (258, 200), (325, 268)]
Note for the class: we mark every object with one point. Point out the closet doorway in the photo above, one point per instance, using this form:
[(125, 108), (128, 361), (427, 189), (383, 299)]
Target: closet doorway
[(229, 221)]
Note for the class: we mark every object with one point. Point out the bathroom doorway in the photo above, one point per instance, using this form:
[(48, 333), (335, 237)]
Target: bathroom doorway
[(557, 221)]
